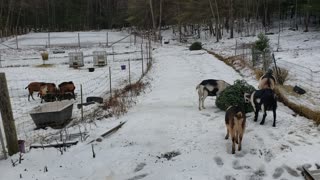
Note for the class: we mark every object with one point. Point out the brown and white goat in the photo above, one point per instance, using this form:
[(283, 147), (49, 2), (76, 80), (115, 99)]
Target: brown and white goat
[(210, 87), (267, 81), (236, 122)]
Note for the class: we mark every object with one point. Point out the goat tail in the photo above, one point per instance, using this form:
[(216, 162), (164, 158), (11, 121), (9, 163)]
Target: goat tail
[(198, 87), (239, 115), (269, 82)]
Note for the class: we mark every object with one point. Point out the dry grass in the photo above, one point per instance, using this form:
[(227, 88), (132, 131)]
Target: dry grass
[(122, 100), (281, 75), (45, 65), (299, 109), (259, 73)]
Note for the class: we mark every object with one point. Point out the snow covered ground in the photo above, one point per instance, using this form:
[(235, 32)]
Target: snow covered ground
[(22, 67), (166, 120)]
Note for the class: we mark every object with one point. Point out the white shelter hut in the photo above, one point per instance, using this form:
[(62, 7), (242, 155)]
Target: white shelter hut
[(100, 58), (76, 59)]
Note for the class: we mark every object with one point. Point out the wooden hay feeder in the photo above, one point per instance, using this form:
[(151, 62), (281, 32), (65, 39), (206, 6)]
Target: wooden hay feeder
[(76, 59), (100, 58), (54, 114)]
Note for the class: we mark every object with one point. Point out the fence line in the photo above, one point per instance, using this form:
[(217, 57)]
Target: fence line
[(298, 74), (95, 85)]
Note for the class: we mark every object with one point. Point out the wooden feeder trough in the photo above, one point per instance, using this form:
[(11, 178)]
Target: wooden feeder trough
[(54, 114), (76, 59), (100, 58)]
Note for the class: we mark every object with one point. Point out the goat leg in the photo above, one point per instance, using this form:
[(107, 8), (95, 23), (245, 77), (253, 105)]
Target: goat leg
[(263, 118), (274, 117), (256, 114), (233, 145)]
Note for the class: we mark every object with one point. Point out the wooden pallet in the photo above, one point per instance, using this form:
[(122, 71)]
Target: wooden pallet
[(311, 174)]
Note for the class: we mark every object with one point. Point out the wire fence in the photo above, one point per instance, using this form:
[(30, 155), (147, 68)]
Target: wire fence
[(125, 64), (299, 75)]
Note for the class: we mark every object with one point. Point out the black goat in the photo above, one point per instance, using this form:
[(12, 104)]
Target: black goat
[(265, 100)]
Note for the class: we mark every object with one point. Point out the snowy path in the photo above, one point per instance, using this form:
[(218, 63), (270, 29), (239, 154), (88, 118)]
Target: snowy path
[(167, 119)]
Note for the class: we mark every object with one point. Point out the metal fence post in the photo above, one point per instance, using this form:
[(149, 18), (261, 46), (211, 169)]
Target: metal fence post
[(17, 41), (129, 73), (107, 40), (79, 40), (81, 102), (110, 81), (48, 39), (142, 58)]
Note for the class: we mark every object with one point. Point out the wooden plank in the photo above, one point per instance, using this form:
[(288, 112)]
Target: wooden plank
[(312, 175), (57, 145), (110, 131)]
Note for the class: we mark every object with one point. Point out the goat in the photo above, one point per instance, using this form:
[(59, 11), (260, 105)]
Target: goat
[(34, 87), (66, 88), (235, 122), (48, 92), (267, 81), (210, 87), (265, 100)]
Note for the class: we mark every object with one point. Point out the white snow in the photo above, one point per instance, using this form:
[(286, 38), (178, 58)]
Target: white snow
[(165, 119)]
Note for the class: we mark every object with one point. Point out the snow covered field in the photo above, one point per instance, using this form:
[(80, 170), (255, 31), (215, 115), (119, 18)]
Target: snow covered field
[(22, 67), (166, 120)]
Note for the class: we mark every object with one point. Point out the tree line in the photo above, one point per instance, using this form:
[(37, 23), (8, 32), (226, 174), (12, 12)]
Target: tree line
[(18, 16)]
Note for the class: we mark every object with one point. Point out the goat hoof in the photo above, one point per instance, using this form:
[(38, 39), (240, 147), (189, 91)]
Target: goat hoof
[(274, 125), (233, 152), (261, 123)]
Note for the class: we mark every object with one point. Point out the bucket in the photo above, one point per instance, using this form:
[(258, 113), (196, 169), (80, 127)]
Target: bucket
[(21, 146), (123, 67)]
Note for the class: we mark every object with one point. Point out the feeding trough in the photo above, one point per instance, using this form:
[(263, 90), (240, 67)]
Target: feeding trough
[(54, 114)]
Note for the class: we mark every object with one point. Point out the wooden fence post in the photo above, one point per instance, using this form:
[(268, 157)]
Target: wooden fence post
[(3, 145), (7, 117)]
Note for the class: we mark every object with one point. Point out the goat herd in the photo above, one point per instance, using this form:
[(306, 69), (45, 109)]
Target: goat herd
[(263, 99), (49, 92)]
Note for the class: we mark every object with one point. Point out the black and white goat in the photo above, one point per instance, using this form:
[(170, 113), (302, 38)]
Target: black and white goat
[(210, 87), (265, 100)]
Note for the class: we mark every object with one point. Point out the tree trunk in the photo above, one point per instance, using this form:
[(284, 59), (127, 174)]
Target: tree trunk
[(295, 15), (160, 20), (218, 23), (152, 16), (231, 18)]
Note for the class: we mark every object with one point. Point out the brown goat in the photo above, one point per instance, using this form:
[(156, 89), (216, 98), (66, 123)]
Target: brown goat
[(235, 122), (267, 81), (34, 87), (48, 91), (66, 88)]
